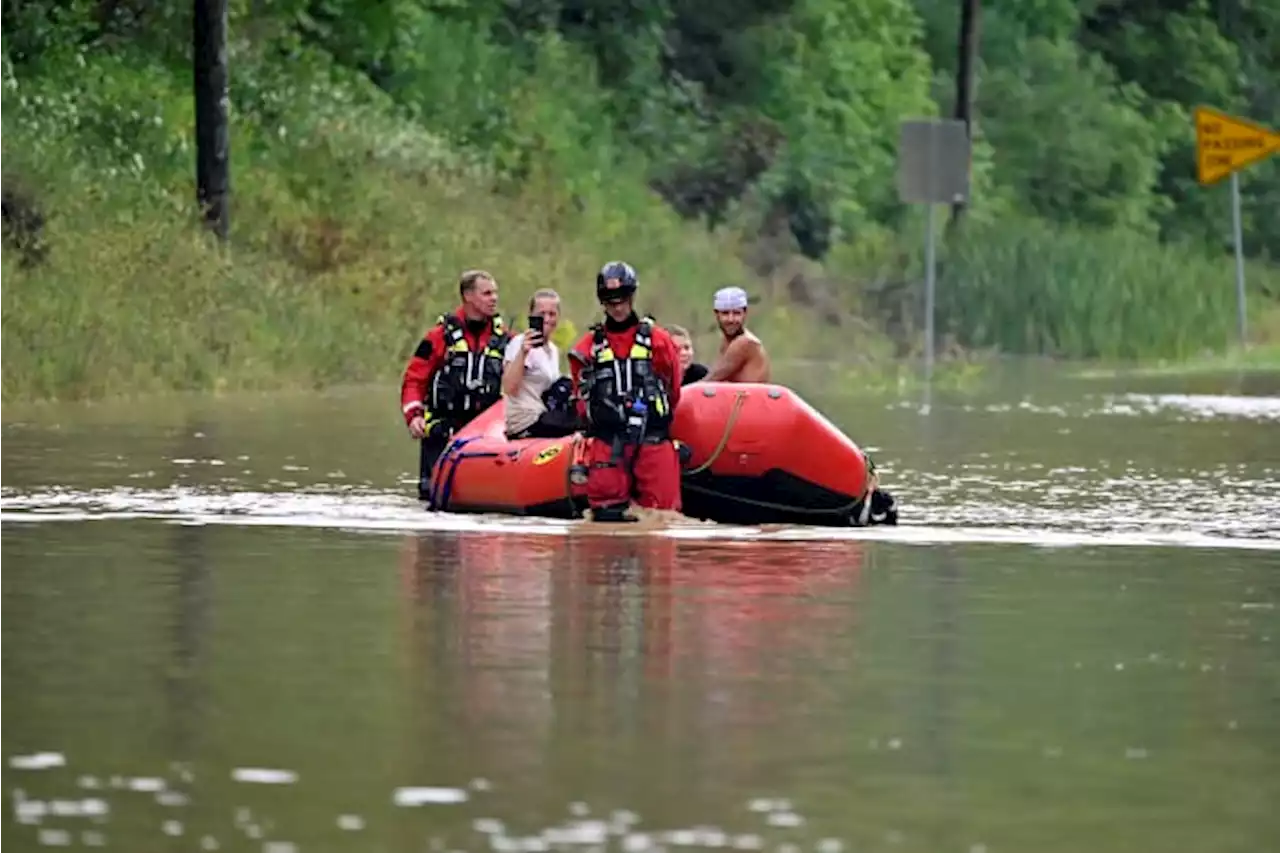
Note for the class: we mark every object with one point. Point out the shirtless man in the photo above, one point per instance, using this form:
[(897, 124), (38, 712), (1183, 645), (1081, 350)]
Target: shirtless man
[(742, 356)]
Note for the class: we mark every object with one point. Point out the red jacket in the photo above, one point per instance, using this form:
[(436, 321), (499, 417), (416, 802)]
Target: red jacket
[(666, 359), (428, 358)]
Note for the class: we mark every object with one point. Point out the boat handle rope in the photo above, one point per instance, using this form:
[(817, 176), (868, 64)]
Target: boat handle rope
[(437, 485), (846, 509), (458, 460), (738, 402), (798, 510), (442, 493)]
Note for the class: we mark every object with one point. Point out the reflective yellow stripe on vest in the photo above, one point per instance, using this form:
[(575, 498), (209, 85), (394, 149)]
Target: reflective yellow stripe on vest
[(603, 354), (461, 345), (639, 350)]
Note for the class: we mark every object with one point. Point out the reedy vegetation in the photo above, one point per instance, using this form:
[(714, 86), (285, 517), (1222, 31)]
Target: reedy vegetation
[(380, 148)]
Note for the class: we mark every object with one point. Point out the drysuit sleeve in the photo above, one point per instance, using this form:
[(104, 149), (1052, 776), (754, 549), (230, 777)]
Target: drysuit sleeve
[(667, 362), (423, 364), (578, 356)]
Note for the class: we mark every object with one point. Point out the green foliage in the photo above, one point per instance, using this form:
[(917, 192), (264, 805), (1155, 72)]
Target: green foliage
[(1073, 151), (839, 76), (350, 225), (379, 148), (1074, 292)]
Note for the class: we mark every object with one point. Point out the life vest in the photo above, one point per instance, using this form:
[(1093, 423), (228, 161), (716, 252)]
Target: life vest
[(468, 382), (613, 386)]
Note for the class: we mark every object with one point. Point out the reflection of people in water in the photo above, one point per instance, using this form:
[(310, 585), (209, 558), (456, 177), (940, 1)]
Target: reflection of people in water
[(480, 642), (531, 648)]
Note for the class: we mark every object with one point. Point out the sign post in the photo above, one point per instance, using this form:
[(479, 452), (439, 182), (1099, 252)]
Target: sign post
[(1225, 145), (933, 169)]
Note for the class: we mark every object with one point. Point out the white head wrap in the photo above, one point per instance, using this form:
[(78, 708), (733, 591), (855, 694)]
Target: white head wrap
[(730, 298)]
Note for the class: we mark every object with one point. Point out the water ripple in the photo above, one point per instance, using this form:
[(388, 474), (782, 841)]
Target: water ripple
[(977, 487), (767, 823), (1244, 513)]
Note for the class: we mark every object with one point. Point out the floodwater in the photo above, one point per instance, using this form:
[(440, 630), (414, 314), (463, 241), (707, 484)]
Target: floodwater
[(228, 626)]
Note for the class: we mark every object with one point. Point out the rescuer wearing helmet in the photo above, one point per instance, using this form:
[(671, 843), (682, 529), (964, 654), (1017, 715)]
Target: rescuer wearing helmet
[(456, 371), (626, 376)]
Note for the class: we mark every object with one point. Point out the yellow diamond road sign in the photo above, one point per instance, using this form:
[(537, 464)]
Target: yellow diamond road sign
[(1226, 144)]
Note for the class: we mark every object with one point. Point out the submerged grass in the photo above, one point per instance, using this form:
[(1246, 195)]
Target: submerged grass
[(1256, 359)]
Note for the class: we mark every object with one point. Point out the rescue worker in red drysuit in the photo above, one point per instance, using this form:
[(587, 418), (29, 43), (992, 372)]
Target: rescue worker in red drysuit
[(456, 371), (626, 377)]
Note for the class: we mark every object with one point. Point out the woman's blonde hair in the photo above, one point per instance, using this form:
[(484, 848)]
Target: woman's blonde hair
[(679, 332), (543, 293)]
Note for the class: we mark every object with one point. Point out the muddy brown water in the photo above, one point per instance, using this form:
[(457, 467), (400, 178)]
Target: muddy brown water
[(228, 626)]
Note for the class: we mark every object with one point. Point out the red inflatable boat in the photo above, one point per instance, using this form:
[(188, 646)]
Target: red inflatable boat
[(759, 455)]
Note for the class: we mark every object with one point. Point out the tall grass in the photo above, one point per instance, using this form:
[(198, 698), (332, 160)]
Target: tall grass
[(350, 226), (1026, 287)]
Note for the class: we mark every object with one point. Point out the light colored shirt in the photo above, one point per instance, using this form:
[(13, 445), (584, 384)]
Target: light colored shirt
[(541, 370)]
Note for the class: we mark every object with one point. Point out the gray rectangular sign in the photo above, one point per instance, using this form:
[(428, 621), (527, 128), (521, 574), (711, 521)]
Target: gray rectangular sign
[(933, 161)]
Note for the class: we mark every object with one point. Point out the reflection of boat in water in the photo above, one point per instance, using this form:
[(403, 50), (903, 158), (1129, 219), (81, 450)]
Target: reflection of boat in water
[(531, 651), (758, 454)]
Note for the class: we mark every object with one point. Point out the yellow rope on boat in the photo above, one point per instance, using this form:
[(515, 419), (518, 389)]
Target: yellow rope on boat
[(738, 402)]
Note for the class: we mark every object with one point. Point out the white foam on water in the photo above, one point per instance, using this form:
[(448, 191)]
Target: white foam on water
[(578, 831), (171, 798), (264, 776), (30, 811), (1003, 522), (54, 837), (78, 808), (1200, 406), (784, 819), (421, 796), (37, 761), (637, 842)]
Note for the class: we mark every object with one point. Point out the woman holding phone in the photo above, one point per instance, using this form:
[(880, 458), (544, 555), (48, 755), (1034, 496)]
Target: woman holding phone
[(532, 369)]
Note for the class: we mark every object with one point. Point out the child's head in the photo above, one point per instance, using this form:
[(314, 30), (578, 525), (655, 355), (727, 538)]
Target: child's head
[(684, 345)]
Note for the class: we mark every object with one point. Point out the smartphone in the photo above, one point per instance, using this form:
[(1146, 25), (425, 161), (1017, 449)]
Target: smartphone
[(536, 325)]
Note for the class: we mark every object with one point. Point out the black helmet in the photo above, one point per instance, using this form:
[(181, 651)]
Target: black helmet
[(624, 273)]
